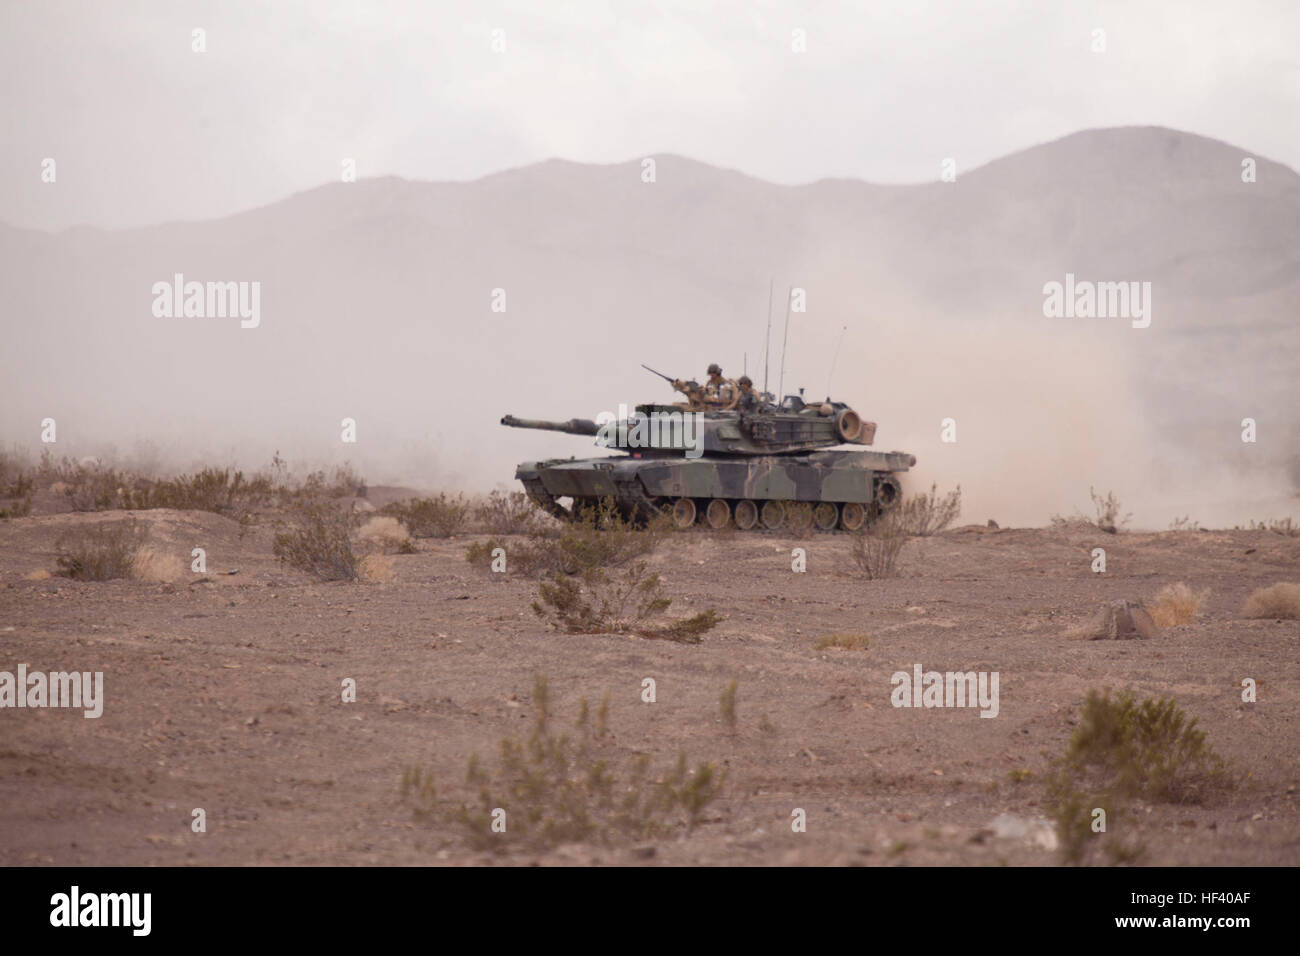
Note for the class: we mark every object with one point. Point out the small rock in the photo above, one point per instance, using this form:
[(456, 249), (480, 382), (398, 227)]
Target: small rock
[(1035, 832), (644, 852)]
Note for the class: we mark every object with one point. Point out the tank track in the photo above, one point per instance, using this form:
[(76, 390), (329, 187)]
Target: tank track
[(535, 490), (635, 504)]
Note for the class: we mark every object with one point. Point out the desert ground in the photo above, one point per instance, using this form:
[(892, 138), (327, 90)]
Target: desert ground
[(222, 692)]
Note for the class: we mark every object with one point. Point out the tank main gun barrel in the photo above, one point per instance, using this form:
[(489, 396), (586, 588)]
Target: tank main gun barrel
[(574, 426)]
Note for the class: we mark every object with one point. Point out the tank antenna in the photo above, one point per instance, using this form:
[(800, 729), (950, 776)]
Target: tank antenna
[(786, 340), (767, 346), (834, 359)]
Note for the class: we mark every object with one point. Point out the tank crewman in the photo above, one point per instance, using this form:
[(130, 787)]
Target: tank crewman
[(750, 400), (718, 391)]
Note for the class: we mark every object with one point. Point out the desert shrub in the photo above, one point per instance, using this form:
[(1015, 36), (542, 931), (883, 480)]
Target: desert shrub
[(509, 513), (928, 514), (1176, 604), (617, 601), (848, 642), (17, 507), (727, 705), (876, 547), (17, 482), (381, 533), (439, 517), (318, 541), (1148, 749), (96, 488), (156, 566), (17, 477), (479, 553), (1108, 512), (1280, 601), (1283, 526), (375, 568), (101, 552), (1185, 523), (341, 483), (598, 537), (220, 490), (561, 788), (51, 469), (1124, 749)]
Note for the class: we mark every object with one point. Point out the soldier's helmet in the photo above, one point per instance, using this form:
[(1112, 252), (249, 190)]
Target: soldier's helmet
[(745, 381), (715, 369)]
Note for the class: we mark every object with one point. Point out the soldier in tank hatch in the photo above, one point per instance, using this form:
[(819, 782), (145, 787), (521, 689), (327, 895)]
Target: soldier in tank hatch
[(750, 400), (718, 391)]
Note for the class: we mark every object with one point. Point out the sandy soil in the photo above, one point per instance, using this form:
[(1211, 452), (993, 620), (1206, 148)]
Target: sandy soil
[(223, 692)]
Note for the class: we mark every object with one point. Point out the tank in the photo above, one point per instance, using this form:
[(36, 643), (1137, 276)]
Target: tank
[(767, 467)]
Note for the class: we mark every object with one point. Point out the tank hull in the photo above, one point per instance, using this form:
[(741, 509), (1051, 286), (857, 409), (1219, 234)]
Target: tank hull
[(642, 486)]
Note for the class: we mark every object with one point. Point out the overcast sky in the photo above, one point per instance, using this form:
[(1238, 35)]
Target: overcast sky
[(143, 129)]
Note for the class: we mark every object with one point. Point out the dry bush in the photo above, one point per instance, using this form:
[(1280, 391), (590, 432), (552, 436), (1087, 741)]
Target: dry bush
[(1279, 601), (1108, 512), (876, 547), (16, 507), (97, 488), (597, 537), (727, 705), (1185, 523), (156, 567), (343, 483), (1121, 750), (439, 517), (318, 541), (16, 485), (510, 513), (617, 601), (848, 642), (375, 568), (559, 788), (101, 552), (1283, 526), (927, 514), (1176, 604), (222, 491), (381, 533)]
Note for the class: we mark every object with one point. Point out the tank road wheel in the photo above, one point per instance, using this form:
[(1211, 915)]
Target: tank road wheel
[(683, 513), (746, 514), (852, 516), (799, 516), (718, 514), (773, 514), (826, 516)]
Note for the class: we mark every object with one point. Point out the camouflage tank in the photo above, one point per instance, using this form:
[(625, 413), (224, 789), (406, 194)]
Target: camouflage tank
[(770, 466)]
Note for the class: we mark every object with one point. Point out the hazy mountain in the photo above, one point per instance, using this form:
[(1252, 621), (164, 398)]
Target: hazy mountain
[(376, 304)]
